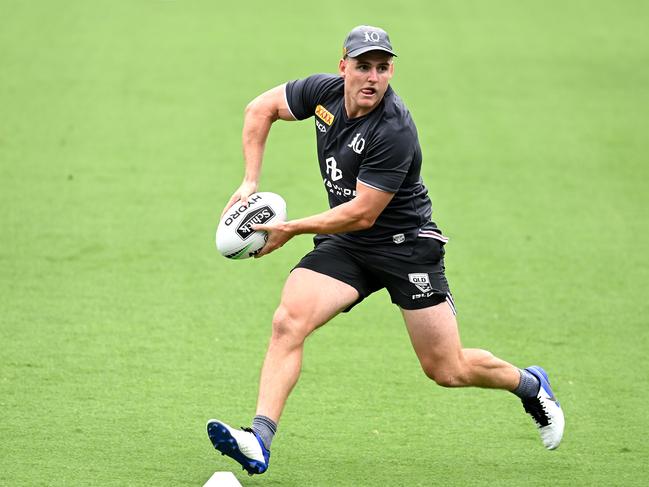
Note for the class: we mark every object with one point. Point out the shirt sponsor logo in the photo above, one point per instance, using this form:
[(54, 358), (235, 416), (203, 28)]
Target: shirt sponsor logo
[(332, 167), (325, 115), (334, 189), (336, 174), (321, 127), (421, 280)]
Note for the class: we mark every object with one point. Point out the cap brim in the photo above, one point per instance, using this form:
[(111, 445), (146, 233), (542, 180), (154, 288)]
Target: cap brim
[(363, 50)]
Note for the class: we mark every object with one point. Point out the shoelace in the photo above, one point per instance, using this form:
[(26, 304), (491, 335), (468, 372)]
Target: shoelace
[(535, 409)]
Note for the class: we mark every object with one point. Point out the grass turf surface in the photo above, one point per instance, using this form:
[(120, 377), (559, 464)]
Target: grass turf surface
[(122, 330)]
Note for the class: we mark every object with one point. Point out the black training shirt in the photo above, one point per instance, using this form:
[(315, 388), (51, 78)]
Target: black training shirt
[(380, 149)]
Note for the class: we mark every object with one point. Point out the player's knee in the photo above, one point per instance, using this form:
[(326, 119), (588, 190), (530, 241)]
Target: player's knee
[(288, 326), (444, 376), (449, 380)]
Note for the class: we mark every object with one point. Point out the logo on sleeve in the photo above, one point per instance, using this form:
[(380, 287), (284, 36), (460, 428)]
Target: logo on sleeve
[(325, 115), (421, 280)]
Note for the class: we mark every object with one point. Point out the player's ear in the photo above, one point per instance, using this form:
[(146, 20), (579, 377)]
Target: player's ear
[(342, 66)]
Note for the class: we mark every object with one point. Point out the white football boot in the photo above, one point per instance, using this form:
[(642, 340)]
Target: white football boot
[(242, 445), (545, 410)]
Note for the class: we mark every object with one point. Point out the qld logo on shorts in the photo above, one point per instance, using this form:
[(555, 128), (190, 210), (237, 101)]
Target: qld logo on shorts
[(258, 217), (421, 280)]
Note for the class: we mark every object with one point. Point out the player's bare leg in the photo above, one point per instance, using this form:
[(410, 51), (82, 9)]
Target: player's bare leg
[(309, 300), (434, 335)]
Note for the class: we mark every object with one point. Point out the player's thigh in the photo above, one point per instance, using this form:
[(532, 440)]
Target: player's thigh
[(310, 299), (434, 334)]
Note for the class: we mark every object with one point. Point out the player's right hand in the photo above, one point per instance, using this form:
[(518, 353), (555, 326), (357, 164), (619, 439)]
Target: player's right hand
[(241, 195), (278, 234)]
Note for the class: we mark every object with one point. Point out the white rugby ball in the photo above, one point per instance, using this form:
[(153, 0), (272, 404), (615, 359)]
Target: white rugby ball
[(235, 238)]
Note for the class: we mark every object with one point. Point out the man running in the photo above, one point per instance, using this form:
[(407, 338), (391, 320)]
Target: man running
[(377, 234)]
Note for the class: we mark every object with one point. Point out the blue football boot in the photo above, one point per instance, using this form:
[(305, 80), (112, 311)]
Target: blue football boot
[(242, 445), (545, 410)]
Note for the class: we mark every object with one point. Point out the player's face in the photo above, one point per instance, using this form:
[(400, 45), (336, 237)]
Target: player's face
[(366, 80)]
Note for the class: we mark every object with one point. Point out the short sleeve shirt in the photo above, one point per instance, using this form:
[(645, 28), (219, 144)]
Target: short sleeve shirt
[(380, 150)]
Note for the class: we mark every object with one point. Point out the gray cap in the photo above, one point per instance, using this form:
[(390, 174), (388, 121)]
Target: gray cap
[(366, 38)]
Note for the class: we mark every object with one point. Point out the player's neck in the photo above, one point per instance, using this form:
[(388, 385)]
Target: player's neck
[(353, 110)]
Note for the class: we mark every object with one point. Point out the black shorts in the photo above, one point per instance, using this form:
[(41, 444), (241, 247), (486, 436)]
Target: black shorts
[(413, 272)]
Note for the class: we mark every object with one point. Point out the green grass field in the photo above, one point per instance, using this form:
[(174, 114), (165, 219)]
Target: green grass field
[(122, 330)]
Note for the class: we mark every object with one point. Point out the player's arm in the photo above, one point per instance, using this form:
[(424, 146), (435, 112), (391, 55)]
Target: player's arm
[(260, 114), (359, 213)]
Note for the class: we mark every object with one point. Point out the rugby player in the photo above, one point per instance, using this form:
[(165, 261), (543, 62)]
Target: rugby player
[(378, 233)]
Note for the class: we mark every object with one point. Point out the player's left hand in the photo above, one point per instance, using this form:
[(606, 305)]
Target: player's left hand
[(278, 235)]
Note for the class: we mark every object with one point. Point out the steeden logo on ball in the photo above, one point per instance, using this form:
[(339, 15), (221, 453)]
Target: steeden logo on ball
[(258, 217), (235, 236)]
